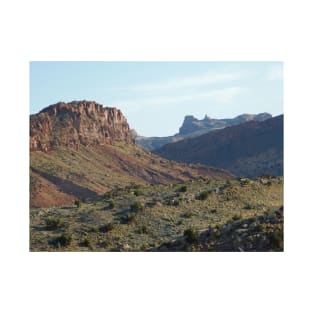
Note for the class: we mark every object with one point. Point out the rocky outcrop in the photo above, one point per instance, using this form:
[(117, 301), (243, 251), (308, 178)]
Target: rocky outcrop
[(191, 124), (77, 123)]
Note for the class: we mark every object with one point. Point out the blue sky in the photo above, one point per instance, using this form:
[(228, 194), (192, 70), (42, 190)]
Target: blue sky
[(155, 96)]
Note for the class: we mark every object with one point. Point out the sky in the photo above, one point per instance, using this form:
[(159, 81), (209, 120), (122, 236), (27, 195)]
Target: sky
[(156, 96)]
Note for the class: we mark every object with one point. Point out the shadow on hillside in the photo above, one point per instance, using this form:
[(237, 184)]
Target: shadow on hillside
[(67, 186)]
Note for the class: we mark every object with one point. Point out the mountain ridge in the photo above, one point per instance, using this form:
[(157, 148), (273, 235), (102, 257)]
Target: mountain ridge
[(249, 149), (193, 127)]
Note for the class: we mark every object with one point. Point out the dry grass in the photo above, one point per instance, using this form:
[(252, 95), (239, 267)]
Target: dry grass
[(165, 214)]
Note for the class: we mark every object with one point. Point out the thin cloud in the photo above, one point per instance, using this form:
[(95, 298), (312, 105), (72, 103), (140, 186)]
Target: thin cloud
[(275, 73), (186, 82), (222, 96)]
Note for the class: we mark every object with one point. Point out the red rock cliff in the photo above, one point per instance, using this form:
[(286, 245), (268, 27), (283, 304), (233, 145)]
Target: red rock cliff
[(75, 123)]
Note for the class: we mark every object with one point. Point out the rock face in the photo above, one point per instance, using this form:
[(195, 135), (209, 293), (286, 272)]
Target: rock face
[(77, 123), (191, 124), (249, 149)]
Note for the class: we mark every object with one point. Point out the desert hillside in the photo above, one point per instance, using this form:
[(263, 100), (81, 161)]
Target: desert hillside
[(197, 215), (82, 149), (250, 149)]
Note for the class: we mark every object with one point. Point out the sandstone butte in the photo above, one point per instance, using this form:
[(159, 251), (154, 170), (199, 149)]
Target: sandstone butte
[(75, 123)]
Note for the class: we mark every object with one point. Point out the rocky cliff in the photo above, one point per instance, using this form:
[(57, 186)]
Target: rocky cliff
[(77, 123), (192, 124)]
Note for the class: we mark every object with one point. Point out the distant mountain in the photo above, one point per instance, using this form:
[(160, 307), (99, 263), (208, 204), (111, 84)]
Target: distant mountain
[(249, 149), (82, 149), (192, 127)]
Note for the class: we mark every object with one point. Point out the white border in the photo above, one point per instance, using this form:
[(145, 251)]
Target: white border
[(146, 30)]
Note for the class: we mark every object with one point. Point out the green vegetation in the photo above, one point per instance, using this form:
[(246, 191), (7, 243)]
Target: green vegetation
[(106, 227), (94, 229), (77, 203), (191, 235), (173, 202), (204, 194), (277, 237), (183, 188), (248, 207), (187, 214), (217, 233), (107, 195), (54, 223), (236, 217), (143, 229), (136, 206), (160, 215), (111, 204), (87, 242), (128, 218), (63, 240), (138, 192)]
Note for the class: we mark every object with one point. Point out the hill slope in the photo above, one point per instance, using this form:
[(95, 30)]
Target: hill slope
[(250, 149), (198, 215), (81, 150)]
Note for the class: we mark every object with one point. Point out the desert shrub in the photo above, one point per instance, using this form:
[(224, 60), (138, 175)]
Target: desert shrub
[(204, 195), (77, 203), (63, 240), (136, 206), (248, 207), (213, 211), (191, 234), (183, 188), (106, 227), (107, 195), (87, 242), (138, 192), (128, 218), (94, 229), (168, 202), (277, 237), (111, 204), (54, 223), (187, 214), (174, 202), (136, 186), (143, 229), (217, 233), (236, 217)]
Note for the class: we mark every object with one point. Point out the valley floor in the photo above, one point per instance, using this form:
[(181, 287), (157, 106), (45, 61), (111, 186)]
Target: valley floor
[(199, 215)]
